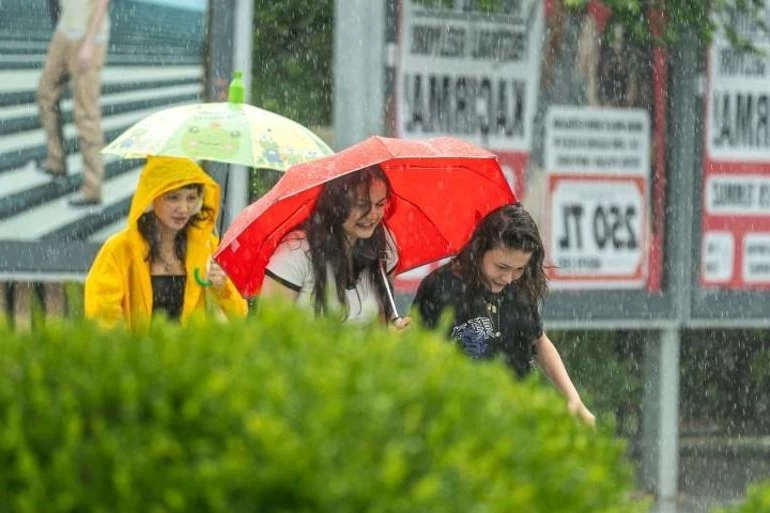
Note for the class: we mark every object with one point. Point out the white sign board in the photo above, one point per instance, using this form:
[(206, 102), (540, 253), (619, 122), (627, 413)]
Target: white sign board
[(598, 163), (735, 252), (469, 74)]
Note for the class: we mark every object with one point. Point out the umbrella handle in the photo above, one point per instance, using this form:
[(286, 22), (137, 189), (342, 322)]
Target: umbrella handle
[(200, 281), (396, 316)]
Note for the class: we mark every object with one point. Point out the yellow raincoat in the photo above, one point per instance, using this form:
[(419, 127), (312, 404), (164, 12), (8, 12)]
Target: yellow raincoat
[(118, 286)]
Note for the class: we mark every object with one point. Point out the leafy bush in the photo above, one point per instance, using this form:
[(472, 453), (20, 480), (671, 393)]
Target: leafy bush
[(725, 377), (757, 501), (724, 381), (606, 368), (283, 413)]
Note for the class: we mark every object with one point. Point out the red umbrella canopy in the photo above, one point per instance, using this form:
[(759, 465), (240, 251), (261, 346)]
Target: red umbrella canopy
[(441, 188)]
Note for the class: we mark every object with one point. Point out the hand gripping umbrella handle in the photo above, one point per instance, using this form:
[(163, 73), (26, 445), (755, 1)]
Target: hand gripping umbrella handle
[(395, 317), (200, 281)]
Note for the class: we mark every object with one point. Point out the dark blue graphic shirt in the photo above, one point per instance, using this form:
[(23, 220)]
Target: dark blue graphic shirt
[(509, 332)]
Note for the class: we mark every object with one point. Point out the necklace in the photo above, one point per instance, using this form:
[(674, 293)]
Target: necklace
[(169, 263), (493, 307), (168, 267)]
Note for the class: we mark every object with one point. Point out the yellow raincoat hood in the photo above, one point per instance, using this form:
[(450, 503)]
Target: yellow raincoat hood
[(163, 174), (119, 284)]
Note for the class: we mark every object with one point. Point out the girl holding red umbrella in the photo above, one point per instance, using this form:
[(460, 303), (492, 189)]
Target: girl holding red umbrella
[(332, 261), (495, 286)]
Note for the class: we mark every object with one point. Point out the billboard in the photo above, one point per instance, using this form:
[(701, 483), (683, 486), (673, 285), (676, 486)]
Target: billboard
[(154, 61), (735, 242)]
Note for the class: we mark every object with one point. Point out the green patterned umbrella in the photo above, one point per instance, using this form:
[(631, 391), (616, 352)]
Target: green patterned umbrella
[(235, 133)]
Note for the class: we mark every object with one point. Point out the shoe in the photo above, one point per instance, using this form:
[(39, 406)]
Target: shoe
[(81, 201), (56, 175)]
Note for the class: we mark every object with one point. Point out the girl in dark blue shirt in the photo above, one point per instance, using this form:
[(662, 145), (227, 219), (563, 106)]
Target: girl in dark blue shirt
[(495, 287)]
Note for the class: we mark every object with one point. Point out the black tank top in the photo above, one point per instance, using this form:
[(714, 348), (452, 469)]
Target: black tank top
[(168, 295)]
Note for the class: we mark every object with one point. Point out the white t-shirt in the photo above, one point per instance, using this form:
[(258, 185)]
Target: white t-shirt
[(291, 266), (74, 18)]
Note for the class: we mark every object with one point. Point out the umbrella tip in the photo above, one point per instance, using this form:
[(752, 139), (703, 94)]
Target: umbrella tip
[(236, 91)]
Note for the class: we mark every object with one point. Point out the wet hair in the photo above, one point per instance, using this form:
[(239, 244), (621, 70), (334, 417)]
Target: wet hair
[(327, 240), (148, 228), (508, 227)]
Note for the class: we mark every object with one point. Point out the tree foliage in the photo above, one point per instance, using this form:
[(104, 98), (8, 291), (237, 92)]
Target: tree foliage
[(702, 18), (292, 57)]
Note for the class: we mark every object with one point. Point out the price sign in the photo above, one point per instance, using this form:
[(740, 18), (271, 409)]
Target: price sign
[(597, 230), (598, 162)]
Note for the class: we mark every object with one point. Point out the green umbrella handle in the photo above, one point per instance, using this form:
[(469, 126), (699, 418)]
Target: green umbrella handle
[(200, 281)]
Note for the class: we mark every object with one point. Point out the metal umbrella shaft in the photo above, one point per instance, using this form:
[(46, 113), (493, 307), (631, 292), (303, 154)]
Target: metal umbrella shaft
[(389, 292)]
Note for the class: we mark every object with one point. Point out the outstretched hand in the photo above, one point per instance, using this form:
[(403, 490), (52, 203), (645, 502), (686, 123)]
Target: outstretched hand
[(579, 409)]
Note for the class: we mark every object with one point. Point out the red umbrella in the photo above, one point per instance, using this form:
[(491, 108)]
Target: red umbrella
[(440, 189)]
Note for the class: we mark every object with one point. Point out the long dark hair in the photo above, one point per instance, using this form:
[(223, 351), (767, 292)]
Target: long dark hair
[(326, 238), (509, 227), (148, 228)]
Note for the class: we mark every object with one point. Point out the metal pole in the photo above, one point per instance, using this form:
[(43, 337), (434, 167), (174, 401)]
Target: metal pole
[(668, 462), (359, 70), (391, 301), (660, 457), (660, 465), (238, 182)]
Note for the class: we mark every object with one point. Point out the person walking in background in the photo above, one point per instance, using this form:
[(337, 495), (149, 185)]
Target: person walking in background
[(149, 267), (335, 256), (53, 11), (493, 289), (76, 53)]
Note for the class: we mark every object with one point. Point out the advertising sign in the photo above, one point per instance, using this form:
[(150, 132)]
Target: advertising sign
[(597, 217), (471, 74), (735, 246)]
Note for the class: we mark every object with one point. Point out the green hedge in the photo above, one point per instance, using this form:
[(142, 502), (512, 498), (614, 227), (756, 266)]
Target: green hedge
[(724, 378), (282, 413), (757, 501)]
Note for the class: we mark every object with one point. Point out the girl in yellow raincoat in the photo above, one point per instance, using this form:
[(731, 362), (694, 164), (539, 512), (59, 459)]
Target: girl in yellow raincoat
[(149, 267)]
